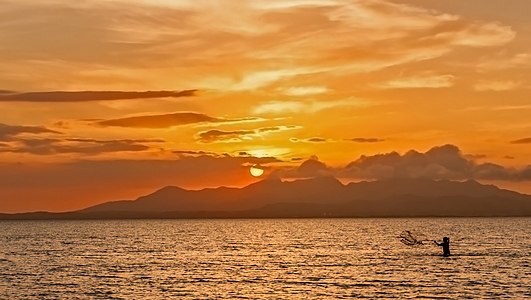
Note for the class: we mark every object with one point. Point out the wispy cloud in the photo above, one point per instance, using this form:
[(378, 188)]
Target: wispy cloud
[(263, 43), (167, 120), (304, 90), (234, 136), (522, 141), (310, 140), (365, 140), (428, 81), (329, 140), (83, 96), (7, 132), (496, 85), (78, 146), (287, 107), (504, 61)]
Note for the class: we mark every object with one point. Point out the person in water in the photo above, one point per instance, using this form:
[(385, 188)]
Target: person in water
[(446, 246)]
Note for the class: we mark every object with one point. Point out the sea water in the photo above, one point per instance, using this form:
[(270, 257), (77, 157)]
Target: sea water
[(264, 259)]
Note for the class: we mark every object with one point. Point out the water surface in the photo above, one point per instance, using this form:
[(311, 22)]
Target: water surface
[(271, 259)]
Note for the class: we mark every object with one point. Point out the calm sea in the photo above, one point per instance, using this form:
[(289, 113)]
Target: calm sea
[(268, 259)]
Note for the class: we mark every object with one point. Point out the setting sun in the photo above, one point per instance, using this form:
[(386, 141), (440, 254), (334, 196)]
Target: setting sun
[(256, 171)]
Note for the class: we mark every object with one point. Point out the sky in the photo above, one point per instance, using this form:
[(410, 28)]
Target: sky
[(112, 99)]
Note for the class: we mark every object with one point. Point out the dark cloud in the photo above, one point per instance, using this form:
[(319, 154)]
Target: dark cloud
[(365, 140), (215, 135), (79, 146), (122, 140), (193, 153), (522, 141), (245, 158), (276, 128), (167, 120), (327, 140), (309, 140), (83, 96), (312, 168), (475, 156), (309, 168), (7, 132), (443, 162)]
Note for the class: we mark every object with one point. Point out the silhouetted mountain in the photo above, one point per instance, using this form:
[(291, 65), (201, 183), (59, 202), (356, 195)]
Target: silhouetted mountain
[(318, 197)]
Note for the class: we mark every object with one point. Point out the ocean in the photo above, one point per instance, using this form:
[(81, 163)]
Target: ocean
[(264, 259)]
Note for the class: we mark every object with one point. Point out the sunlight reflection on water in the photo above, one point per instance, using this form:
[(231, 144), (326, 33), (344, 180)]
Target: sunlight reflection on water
[(286, 258)]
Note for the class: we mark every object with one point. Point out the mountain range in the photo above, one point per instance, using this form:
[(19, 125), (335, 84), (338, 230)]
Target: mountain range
[(317, 197)]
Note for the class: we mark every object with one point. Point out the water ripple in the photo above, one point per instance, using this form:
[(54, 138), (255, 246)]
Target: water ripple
[(263, 259)]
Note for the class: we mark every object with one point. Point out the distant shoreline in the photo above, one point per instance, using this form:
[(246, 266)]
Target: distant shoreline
[(217, 216)]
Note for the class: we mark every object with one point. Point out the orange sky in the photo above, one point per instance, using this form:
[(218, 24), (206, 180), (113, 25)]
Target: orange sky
[(111, 99)]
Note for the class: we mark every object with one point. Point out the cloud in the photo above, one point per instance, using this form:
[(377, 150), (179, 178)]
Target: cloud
[(247, 158), (503, 61), (481, 35), (292, 107), (263, 43), (312, 168), (498, 108), (428, 81), (215, 135), (194, 153), (305, 90), (522, 141), (365, 140), (327, 140), (496, 85), (442, 162), (83, 96), (7, 132), (438, 162), (235, 136), (257, 79), (167, 120), (310, 140), (309, 168), (78, 146)]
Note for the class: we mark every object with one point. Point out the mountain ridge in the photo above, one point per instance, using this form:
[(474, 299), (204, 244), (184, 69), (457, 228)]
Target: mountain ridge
[(313, 197)]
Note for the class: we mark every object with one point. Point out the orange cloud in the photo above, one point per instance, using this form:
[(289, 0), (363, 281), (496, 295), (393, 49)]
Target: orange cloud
[(496, 85), (7, 132), (76, 145), (427, 81), (365, 140), (326, 140), (235, 136), (443, 162), (522, 141), (168, 120), (82, 96)]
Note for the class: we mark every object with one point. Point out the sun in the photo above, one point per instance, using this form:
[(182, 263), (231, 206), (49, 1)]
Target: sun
[(256, 171)]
